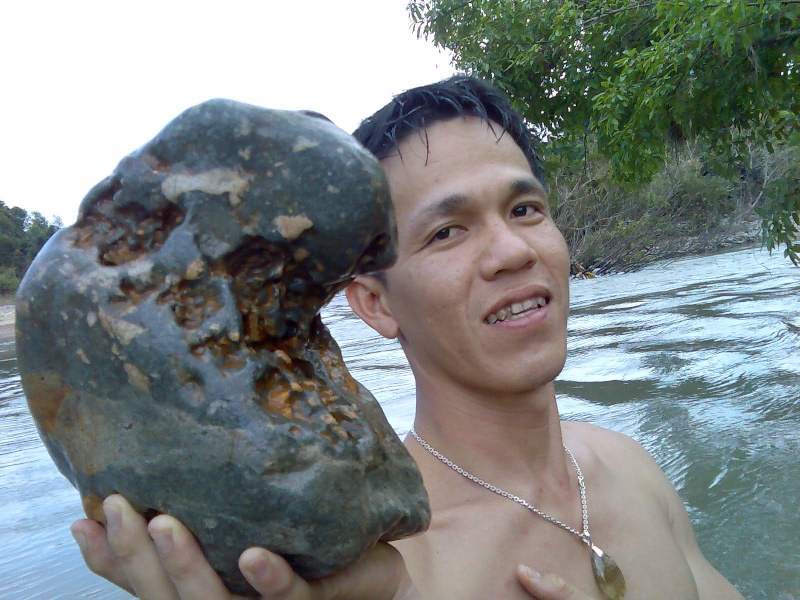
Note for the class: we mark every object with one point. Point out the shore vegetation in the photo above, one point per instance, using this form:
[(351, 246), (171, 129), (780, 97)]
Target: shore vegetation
[(696, 202), (22, 235)]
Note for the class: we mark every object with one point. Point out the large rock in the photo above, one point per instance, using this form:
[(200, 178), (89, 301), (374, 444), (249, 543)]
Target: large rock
[(171, 349)]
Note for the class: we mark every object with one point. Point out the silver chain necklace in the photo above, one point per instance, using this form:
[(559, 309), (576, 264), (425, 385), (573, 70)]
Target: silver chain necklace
[(606, 572)]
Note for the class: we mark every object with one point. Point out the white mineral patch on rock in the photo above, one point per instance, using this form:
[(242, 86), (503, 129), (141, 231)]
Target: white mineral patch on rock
[(213, 181), (304, 144), (292, 227)]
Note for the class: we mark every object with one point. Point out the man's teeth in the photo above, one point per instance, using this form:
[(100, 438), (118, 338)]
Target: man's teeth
[(516, 310)]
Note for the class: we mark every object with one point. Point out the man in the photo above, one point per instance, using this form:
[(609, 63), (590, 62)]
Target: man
[(478, 299)]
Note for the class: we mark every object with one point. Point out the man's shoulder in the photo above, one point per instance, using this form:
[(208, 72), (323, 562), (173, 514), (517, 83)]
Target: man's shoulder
[(597, 437), (615, 450)]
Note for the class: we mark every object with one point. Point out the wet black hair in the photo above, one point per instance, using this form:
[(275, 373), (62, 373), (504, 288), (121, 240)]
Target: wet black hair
[(458, 96)]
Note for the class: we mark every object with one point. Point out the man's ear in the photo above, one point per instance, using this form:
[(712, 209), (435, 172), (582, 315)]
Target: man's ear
[(367, 298)]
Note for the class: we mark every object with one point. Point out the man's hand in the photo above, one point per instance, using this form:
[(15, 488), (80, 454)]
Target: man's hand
[(547, 587), (162, 561)]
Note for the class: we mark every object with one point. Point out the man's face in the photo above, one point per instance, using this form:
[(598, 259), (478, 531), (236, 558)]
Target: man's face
[(480, 289)]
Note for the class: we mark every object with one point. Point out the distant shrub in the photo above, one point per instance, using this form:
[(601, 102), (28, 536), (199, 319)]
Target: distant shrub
[(688, 193), (9, 282), (692, 203)]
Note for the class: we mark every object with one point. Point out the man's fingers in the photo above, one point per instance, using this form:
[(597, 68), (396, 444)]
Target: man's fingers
[(162, 561), (183, 560), (91, 539), (379, 575), (272, 576), (135, 552), (548, 586)]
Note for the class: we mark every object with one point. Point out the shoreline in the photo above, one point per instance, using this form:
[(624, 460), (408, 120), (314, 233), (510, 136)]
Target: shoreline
[(732, 234), (7, 313)]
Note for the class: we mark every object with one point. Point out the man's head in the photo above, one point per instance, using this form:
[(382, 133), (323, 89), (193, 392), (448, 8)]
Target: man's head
[(415, 110), (479, 294)]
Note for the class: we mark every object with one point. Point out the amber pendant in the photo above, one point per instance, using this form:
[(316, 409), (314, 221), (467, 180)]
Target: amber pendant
[(607, 574)]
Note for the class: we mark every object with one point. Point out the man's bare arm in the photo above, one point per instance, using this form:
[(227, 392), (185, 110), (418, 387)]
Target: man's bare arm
[(711, 585)]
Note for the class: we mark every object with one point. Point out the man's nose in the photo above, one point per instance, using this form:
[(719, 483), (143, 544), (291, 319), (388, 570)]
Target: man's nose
[(506, 250)]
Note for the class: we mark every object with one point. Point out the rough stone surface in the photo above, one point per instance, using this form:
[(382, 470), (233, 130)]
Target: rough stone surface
[(171, 349)]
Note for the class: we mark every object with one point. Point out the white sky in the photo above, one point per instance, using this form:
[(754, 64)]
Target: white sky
[(83, 83)]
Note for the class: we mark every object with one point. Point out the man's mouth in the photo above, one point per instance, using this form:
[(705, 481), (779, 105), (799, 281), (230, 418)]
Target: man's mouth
[(517, 310)]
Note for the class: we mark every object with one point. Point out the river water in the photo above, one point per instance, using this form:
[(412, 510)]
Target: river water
[(697, 359)]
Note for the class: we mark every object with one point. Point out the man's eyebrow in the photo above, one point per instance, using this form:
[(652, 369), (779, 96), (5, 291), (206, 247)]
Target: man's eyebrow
[(443, 208), (521, 187)]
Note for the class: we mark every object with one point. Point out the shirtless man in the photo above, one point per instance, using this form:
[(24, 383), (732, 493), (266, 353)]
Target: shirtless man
[(478, 299)]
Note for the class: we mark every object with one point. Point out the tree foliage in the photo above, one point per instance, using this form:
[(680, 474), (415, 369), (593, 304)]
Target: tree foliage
[(640, 76), (22, 235)]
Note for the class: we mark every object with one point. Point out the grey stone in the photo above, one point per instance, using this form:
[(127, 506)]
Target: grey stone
[(171, 349)]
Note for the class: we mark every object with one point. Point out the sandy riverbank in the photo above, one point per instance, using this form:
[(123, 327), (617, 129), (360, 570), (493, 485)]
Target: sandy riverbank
[(6, 322)]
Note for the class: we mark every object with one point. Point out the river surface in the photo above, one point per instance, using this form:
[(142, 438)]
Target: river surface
[(697, 359)]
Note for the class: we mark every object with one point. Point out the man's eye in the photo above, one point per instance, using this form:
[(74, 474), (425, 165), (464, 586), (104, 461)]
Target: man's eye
[(442, 234), (524, 210)]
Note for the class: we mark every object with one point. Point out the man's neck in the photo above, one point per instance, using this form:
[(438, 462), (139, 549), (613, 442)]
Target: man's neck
[(516, 437)]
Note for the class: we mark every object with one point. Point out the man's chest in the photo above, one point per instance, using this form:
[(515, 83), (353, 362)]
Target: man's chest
[(473, 554)]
